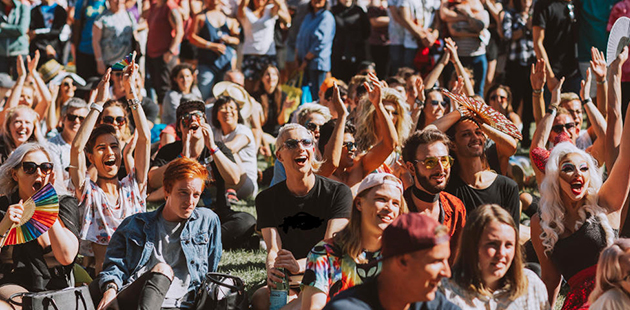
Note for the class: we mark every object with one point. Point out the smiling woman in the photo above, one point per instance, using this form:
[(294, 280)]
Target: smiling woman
[(20, 125), (489, 273)]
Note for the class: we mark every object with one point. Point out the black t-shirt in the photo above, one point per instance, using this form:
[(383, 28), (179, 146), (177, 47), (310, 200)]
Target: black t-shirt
[(365, 296), (560, 35), (217, 202), (29, 265), (503, 191), (302, 221)]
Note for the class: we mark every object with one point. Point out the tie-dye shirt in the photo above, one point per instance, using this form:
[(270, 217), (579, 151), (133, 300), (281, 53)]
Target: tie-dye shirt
[(331, 271)]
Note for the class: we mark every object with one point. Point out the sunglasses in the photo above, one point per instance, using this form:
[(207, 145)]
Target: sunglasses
[(67, 84), (30, 167), (435, 103), (432, 162), (118, 120), (72, 117), (560, 127), (495, 97), (189, 118), (312, 126), (350, 145), (291, 144)]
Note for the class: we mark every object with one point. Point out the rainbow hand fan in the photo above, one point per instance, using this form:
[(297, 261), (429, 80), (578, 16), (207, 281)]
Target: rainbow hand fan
[(40, 213), (486, 114), (121, 65)]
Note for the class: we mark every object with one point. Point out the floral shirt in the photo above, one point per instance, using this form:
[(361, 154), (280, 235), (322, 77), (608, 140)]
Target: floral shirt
[(331, 271), (100, 218)]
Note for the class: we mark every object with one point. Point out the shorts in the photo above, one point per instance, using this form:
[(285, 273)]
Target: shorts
[(253, 65)]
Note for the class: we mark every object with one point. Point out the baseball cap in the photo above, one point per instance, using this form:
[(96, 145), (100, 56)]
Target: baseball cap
[(376, 179), (328, 83), (412, 232)]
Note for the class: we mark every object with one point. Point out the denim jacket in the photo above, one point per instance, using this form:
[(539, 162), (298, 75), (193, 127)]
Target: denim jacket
[(316, 36), (131, 246), (14, 28)]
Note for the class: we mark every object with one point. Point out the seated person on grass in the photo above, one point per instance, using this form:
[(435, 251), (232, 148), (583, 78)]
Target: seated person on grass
[(159, 259), (297, 213)]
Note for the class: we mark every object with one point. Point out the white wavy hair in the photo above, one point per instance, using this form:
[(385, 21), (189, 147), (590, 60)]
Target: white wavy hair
[(8, 185), (552, 210)]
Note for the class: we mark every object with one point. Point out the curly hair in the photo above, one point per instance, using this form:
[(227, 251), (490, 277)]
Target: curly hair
[(552, 210), (366, 136)]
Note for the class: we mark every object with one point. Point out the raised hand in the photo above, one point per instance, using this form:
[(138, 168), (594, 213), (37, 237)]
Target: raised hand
[(340, 106), (419, 84), (621, 58), (451, 47), (21, 71), (598, 64), (103, 87), (458, 88), (31, 64), (538, 75), (585, 90), (556, 91), (129, 77), (15, 211), (374, 90)]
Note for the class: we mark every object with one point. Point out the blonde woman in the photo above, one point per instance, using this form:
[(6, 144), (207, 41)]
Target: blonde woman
[(21, 125), (612, 285)]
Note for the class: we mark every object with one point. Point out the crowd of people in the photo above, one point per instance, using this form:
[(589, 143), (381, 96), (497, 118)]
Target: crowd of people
[(362, 130)]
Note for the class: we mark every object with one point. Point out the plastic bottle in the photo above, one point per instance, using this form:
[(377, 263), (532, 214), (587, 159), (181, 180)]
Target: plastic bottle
[(278, 296)]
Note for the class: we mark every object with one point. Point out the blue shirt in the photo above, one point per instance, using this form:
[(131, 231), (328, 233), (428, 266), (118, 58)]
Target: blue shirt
[(131, 247), (93, 9), (316, 36)]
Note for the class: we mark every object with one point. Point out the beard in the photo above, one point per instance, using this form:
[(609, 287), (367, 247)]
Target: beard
[(425, 182)]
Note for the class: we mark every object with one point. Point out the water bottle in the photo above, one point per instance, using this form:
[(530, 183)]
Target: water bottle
[(278, 296)]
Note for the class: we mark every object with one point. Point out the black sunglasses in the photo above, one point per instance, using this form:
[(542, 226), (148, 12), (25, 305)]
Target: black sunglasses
[(291, 144), (120, 120), (560, 127), (350, 145), (435, 103), (312, 126), (67, 84), (72, 117), (30, 167)]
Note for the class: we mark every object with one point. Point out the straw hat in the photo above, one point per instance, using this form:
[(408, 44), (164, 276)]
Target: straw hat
[(238, 93), (49, 70)]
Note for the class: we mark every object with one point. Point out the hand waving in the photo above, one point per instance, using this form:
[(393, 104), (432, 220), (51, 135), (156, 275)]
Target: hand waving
[(374, 90), (598, 64), (538, 75)]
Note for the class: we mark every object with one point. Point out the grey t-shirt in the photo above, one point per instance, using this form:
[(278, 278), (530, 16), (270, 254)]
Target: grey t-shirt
[(168, 249), (116, 33)]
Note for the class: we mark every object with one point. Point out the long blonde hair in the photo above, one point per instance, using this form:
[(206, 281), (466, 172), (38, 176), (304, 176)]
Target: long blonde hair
[(552, 209), (365, 120), (36, 135)]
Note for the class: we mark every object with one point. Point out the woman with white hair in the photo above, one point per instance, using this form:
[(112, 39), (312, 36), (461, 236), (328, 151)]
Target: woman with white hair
[(575, 221), (47, 263), (612, 285)]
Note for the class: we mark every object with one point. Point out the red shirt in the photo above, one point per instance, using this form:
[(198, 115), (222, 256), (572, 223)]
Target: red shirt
[(161, 34)]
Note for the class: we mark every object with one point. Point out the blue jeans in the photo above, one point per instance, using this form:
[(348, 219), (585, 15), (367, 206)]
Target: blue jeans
[(409, 56), (207, 78), (396, 57), (479, 64), (313, 79)]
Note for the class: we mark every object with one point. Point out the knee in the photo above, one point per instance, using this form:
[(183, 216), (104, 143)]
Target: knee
[(164, 269), (260, 299)]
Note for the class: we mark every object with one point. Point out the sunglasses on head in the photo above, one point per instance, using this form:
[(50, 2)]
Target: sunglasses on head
[(560, 127), (30, 167), (120, 120), (72, 117), (291, 144), (312, 126), (435, 103), (432, 162), (350, 145)]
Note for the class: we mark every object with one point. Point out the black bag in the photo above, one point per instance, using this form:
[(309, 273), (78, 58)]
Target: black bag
[(221, 292), (72, 298)]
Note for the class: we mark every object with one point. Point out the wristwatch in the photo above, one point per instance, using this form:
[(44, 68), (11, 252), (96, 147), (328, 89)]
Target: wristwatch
[(96, 107), (111, 285)]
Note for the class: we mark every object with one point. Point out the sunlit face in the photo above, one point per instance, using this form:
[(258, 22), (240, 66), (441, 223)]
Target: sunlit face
[(348, 152), (564, 123), (183, 198), (469, 139), (574, 176), (185, 80), (427, 268), (228, 114), (27, 97), (295, 153), (497, 247), (575, 108), (106, 156), (270, 79), (30, 183), (67, 87), (317, 120), (435, 106), (22, 126), (115, 116), (190, 123), (379, 208), (433, 180), (73, 119), (498, 100)]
